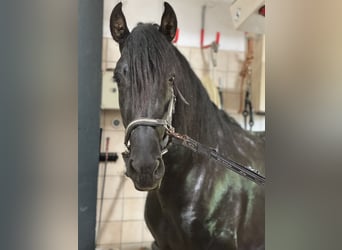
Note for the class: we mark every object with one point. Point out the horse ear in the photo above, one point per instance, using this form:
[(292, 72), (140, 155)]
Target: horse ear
[(118, 25), (168, 24)]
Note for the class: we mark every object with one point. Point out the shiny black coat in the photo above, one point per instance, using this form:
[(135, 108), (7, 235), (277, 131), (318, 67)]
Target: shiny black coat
[(193, 203)]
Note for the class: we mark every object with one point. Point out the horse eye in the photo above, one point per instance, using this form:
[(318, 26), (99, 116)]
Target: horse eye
[(171, 79), (116, 77), (125, 70)]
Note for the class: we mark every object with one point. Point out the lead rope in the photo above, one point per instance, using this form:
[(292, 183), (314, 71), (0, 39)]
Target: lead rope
[(245, 171)]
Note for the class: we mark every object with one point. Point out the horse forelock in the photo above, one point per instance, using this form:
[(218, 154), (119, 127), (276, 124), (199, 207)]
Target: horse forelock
[(149, 56)]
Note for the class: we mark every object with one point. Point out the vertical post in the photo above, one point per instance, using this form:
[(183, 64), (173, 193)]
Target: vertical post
[(90, 16)]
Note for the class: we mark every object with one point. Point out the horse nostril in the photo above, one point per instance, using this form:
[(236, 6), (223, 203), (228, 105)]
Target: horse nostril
[(157, 172), (133, 169)]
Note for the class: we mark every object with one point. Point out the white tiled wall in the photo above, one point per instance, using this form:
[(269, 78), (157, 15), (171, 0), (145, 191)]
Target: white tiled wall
[(122, 222)]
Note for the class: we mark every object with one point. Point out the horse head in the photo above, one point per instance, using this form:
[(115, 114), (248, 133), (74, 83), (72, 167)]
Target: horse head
[(145, 75)]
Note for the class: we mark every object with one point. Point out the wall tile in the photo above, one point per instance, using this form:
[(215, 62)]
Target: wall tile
[(235, 60), (199, 59), (110, 65), (220, 78), (112, 210), (113, 52), (103, 66), (259, 121), (185, 51), (130, 246), (131, 192), (131, 231), (222, 60), (116, 140), (104, 49), (113, 187), (233, 82), (146, 245), (231, 101), (133, 209), (116, 145), (110, 233), (113, 168), (200, 73), (108, 247), (110, 115), (147, 236), (102, 116), (104, 54)]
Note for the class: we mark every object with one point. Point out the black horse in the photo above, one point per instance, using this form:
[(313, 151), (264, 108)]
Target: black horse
[(193, 203)]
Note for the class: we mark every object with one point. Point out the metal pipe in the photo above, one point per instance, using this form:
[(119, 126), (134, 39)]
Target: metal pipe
[(218, 34)]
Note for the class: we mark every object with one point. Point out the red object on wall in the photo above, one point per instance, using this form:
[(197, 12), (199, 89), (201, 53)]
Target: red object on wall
[(176, 36), (262, 10), (217, 40)]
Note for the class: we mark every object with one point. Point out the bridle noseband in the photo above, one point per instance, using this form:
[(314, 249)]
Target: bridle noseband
[(150, 122)]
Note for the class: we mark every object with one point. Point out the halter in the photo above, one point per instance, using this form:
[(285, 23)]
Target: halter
[(166, 123)]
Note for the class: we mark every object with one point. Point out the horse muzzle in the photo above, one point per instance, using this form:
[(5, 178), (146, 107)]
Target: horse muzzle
[(143, 160), (145, 176)]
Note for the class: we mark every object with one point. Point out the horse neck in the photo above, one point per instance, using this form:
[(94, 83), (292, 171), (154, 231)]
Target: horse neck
[(197, 118)]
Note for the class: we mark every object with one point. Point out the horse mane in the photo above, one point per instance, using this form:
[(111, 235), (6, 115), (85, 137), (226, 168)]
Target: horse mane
[(203, 98), (151, 51)]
